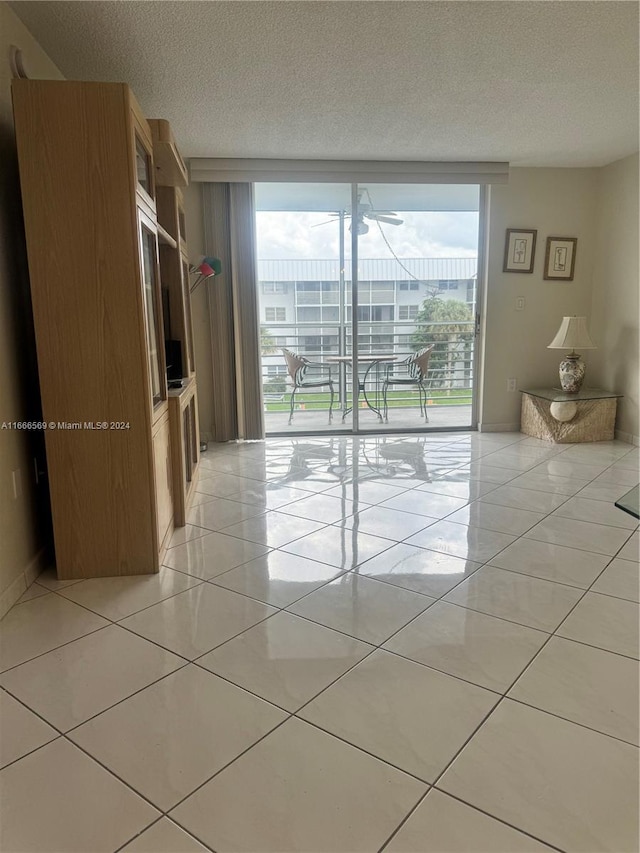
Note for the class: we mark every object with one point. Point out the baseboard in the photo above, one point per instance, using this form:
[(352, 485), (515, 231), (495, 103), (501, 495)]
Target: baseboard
[(22, 582), (499, 427), (629, 437)]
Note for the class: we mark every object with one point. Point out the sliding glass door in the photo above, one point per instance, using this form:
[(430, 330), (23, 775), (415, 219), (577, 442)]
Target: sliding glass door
[(417, 268), (368, 305)]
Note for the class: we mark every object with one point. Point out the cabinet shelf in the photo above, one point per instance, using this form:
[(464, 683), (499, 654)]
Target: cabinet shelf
[(166, 238)]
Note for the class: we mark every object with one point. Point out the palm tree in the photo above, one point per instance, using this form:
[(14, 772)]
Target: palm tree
[(448, 324)]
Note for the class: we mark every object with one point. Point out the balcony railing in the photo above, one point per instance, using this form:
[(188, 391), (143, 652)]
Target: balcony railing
[(450, 377)]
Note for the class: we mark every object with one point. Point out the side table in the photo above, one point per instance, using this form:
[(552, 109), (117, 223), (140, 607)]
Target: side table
[(554, 415)]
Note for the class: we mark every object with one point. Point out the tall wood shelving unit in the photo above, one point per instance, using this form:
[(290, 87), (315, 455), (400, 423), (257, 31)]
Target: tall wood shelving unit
[(96, 183)]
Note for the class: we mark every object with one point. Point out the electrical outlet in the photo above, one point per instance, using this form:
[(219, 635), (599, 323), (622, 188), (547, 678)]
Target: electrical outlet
[(512, 384), (16, 478), (520, 303)]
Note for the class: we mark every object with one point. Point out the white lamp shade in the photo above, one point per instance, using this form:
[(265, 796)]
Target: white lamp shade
[(572, 334)]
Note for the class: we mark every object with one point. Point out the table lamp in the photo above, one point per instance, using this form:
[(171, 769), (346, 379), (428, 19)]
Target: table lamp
[(572, 334)]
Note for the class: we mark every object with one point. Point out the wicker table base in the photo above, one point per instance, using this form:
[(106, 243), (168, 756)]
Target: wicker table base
[(594, 420)]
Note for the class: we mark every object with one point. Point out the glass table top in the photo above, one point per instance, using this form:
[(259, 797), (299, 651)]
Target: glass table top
[(557, 395), (629, 502)]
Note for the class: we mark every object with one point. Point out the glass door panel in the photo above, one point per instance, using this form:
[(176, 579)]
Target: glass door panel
[(188, 323), (417, 303), (152, 313), (144, 166), (304, 292)]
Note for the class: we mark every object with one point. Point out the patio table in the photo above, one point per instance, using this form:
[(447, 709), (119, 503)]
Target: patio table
[(373, 362)]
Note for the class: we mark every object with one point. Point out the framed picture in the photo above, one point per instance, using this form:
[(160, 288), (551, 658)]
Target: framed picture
[(560, 258), (519, 250)]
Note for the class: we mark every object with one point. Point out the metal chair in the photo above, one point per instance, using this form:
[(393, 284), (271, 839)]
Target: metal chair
[(411, 371), (307, 374)]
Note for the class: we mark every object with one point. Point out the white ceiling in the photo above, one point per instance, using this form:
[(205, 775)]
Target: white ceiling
[(536, 83)]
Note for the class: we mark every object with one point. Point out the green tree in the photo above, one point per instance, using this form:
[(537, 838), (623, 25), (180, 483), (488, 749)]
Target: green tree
[(448, 325), (267, 342)]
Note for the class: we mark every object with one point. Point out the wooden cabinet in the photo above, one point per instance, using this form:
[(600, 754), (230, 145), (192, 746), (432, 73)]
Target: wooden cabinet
[(90, 187), (163, 479), (185, 447)]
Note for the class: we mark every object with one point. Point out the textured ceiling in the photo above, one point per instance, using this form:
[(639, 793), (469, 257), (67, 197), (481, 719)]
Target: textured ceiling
[(537, 83)]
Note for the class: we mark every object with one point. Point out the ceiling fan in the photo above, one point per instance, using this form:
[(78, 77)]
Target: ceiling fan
[(364, 211)]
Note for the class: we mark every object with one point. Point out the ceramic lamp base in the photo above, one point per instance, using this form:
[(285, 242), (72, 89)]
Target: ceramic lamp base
[(572, 371)]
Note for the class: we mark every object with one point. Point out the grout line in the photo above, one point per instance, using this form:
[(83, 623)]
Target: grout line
[(373, 649), (568, 719), (138, 834), (493, 817)]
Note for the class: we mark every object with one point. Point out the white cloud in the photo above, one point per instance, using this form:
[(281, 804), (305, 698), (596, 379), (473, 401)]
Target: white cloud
[(430, 234)]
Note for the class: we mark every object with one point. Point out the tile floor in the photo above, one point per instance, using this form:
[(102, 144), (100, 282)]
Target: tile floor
[(411, 644)]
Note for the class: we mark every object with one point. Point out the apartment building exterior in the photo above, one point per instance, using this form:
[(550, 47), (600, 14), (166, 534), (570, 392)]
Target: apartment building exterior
[(300, 304)]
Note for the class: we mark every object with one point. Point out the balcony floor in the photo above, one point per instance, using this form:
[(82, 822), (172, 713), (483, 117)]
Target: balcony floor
[(440, 417)]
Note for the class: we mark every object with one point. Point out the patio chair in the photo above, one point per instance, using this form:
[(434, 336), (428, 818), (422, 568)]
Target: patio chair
[(307, 374), (411, 371)]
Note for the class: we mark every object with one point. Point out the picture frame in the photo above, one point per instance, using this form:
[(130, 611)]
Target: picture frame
[(560, 258), (519, 250)]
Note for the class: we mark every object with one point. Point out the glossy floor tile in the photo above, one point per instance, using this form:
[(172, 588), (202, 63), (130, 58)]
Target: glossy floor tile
[(212, 555), (569, 786), (345, 549), (324, 508), (586, 509), (470, 645), (104, 667), (550, 483), (428, 503), (442, 824), (34, 591), (197, 620), (344, 621), (407, 714), (164, 837), (606, 622), (518, 598), (551, 562), (21, 730), (37, 626), (219, 513), (361, 607), (631, 549), (185, 728), (273, 529), (268, 495), (583, 535), (586, 685), (518, 498), (493, 517), (86, 809), (285, 659), (390, 523), (429, 572), (621, 579), (324, 794), (277, 578), (115, 598), (466, 490), (471, 543)]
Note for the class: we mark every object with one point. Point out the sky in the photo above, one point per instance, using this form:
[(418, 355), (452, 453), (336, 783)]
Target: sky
[(431, 234)]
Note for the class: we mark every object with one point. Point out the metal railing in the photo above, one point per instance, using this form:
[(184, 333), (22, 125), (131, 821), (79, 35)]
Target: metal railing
[(450, 376)]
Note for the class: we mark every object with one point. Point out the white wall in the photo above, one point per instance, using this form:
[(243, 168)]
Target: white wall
[(559, 203), (23, 521), (614, 314), (600, 208)]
